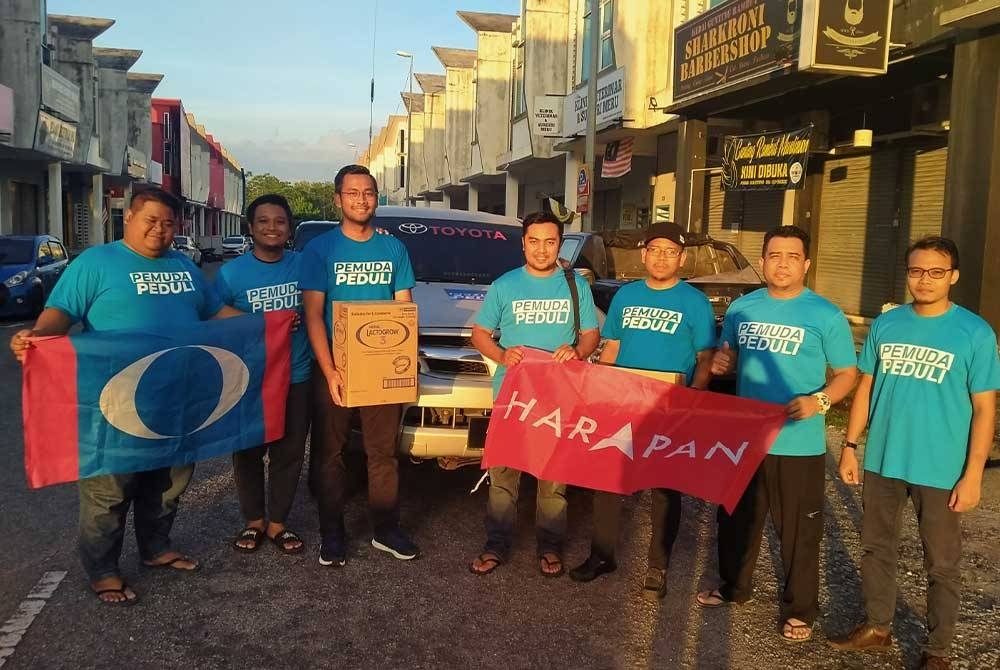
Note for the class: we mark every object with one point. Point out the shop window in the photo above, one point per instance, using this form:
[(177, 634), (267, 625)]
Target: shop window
[(518, 106)]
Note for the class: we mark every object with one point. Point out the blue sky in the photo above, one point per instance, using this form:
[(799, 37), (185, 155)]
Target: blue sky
[(284, 85)]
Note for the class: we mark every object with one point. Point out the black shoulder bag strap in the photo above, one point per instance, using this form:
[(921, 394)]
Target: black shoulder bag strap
[(571, 280)]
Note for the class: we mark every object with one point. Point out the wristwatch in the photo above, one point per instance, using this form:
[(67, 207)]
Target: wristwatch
[(850, 445), (824, 402)]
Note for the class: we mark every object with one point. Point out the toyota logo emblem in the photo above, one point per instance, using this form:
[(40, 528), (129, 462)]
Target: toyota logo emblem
[(413, 228)]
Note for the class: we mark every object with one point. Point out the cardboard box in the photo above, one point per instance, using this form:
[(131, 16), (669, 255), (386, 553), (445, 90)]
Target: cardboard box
[(669, 377), (375, 349)]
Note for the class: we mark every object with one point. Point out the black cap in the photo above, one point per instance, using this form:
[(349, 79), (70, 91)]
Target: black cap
[(666, 230)]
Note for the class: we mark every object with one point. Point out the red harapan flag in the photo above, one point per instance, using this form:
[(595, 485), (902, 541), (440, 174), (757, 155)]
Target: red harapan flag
[(600, 428)]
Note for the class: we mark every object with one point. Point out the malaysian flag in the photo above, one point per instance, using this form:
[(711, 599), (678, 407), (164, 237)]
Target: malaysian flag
[(617, 158)]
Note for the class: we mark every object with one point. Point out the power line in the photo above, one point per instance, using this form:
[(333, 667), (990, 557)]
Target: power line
[(371, 104)]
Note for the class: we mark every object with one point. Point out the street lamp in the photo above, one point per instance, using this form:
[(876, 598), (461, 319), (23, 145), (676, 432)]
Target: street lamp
[(352, 145), (409, 124)]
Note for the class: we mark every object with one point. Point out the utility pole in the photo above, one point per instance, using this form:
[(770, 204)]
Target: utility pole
[(593, 65), (409, 126)]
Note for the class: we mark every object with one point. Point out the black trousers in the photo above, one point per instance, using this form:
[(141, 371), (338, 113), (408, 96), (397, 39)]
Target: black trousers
[(331, 432), (666, 521), (791, 489), (284, 458)]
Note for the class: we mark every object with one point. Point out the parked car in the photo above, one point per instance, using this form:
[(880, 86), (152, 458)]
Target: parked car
[(186, 246), (609, 262), (235, 246), (455, 255), (30, 266)]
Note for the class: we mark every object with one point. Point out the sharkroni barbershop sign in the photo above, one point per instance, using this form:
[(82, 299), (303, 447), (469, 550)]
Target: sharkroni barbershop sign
[(734, 42), (846, 36), (766, 161)]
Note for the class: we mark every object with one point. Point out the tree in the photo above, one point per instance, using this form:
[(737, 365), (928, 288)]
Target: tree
[(308, 199)]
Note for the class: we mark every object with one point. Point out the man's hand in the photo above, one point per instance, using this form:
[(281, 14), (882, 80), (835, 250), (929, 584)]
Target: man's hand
[(512, 357), (19, 344), (566, 352), (336, 383), (965, 496), (296, 322), (724, 360), (803, 407), (849, 467)]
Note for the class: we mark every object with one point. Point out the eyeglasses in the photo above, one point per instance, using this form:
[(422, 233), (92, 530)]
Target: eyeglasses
[(935, 273), (658, 252), (358, 195)]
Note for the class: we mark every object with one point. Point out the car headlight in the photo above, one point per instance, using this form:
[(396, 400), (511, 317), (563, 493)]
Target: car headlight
[(16, 280)]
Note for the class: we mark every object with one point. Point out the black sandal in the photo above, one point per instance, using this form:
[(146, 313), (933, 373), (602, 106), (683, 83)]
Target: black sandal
[(125, 602), (249, 534), (285, 538)]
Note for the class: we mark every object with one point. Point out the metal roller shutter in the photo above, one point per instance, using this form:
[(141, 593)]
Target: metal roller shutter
[(854, 261), (921, 206), (741, 218)]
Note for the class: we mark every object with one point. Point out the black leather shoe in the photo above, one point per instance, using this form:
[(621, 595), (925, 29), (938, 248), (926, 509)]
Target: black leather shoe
[(592, 568), (655, 586)]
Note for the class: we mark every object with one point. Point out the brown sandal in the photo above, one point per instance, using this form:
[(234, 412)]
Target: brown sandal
[(552, 562), (488, 562)]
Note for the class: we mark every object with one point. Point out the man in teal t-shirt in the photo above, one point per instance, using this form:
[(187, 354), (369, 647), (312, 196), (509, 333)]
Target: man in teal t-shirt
[(267, 280), (353, 262), (659, 323), (928, 396), (532, 306), (781, 340), (136, 284)]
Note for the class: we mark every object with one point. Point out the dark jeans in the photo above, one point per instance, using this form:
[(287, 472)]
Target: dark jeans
[(501, 511), (791, 489), (104, 502), (331, 431), (666, 523), (284, 463), (940, 533)]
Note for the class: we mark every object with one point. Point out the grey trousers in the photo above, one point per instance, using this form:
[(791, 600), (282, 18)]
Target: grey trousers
[(940, 533)]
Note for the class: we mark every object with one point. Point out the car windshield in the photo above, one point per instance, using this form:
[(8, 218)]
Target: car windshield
[(181, 240), (16, 252), (306, 233), (233, 240), (624, 250), (464, 252)]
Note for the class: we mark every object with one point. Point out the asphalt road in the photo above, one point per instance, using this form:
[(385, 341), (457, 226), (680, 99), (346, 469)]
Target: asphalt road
[(266, 610)]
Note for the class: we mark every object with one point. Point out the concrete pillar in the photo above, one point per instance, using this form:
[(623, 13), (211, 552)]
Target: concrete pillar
[(446, 199), (98, 233), (201, 222), (573, 164), (55, 193), (473, 198), (510, 199), (692, 147), (788, 209), (972, 198)]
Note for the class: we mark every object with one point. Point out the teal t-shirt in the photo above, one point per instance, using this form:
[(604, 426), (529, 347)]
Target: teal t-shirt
[(660, 329), (534, 312), (784, 349), (924, 370), (345, 269), (111, 287), (252, 285)]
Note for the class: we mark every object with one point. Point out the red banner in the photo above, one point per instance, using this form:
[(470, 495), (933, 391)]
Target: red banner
[(602, 428)]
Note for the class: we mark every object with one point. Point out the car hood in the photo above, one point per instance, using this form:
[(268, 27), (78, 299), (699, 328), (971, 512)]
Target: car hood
[(446, 305), (8, 271)]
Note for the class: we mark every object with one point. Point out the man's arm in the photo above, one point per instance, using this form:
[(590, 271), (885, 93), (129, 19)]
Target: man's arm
[(850, 471), (806, 406), (703, 369), (227, 312), (967, 492), (51, 321), (609, 354), (482, 340), (314, 304), (404, 295)]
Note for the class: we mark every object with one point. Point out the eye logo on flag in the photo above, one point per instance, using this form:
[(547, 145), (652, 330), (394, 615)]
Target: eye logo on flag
[(118, 398)]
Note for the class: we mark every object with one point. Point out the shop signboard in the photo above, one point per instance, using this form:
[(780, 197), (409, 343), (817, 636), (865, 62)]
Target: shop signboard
[(775, 161), (846, 36), (733, 42)]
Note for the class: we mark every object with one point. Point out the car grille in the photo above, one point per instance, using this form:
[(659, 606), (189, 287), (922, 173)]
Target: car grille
[(456, 367), (451, 355), (446, 340), (443, 417)]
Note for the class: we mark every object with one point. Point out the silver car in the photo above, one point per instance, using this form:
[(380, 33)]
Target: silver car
[(456, 255), (234, 246), (185, 245)]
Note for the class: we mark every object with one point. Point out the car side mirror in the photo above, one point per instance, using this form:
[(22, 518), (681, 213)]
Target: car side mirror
[(45, 260), (587, 274)]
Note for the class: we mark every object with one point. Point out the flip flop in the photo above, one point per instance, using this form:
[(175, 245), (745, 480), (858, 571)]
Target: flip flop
[(249, 534), (172, 563), (127, 602), (286, 537), (715, 599), (788, 626), (551, 562), (489, 562)]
